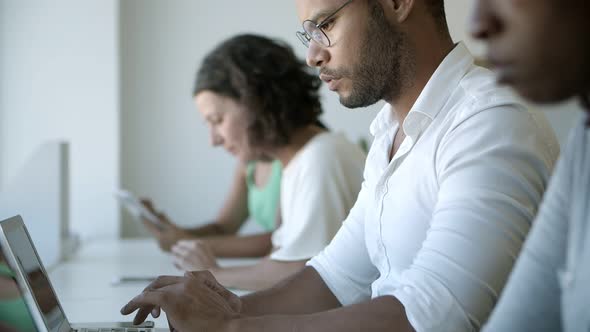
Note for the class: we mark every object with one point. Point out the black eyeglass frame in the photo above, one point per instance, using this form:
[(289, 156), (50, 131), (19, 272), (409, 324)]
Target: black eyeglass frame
[(305, 37)]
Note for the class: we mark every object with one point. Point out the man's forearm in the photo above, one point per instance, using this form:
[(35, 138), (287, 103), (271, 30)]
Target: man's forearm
[(303, 293), (381, 314)]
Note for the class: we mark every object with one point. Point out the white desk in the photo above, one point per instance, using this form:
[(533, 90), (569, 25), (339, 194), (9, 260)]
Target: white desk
[(84, 282)]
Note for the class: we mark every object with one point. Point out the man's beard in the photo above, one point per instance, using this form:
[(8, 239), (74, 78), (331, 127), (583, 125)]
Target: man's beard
[(379, 74)]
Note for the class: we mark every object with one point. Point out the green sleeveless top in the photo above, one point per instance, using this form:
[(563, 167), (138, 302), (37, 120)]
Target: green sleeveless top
[(263, 203), (14, 312)]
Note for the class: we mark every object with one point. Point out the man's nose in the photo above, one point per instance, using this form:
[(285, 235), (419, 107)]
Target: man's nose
[(215, 138), (316, 55)]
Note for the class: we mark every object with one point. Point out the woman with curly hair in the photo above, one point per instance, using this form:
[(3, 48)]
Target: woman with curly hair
[(261, 103)]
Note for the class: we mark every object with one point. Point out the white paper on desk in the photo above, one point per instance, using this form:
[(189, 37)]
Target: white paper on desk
[(132, 279)]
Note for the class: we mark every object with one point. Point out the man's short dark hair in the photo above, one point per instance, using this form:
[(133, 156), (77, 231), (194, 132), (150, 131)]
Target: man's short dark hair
[(278, 89)]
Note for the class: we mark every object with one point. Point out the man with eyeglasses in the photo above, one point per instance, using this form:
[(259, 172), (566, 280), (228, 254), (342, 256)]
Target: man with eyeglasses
[(453, 179)]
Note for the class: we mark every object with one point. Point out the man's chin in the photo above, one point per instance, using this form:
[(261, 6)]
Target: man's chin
[(537, 89), (540, 94), (352, 101)]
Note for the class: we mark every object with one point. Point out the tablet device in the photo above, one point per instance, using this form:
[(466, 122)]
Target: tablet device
[(137, 210)]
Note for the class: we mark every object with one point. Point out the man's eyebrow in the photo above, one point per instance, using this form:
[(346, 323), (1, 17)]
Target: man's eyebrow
[(320, 14)]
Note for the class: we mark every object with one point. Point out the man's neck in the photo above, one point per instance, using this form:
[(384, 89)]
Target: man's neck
[(428, 58)]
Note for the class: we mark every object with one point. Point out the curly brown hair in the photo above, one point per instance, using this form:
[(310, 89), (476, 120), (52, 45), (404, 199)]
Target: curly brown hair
[(264, 75)]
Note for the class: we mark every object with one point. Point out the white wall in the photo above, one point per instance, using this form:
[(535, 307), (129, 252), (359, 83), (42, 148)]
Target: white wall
[(59, 65), (458, 12), (39, 194)]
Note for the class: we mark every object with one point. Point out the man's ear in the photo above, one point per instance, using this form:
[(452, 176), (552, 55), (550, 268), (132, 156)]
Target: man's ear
[(397, 10)]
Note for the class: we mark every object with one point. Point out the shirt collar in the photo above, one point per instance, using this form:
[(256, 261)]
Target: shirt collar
[(432, 98)]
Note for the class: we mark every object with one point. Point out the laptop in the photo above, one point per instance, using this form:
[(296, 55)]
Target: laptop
[(20, 262)]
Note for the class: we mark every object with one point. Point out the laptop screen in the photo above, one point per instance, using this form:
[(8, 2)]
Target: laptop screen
[(37, 280), (14, 313)]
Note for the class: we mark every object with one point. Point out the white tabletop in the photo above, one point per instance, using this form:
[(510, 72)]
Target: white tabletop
[(84, 283)]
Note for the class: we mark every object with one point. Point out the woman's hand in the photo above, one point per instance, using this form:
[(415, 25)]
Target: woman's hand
[(193, 255), (169, 233)]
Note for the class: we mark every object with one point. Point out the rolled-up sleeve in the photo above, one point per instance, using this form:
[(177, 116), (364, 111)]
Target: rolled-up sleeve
[(489, 191), (344, 265)]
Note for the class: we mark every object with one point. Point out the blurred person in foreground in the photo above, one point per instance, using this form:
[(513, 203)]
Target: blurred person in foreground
[(542, 49)]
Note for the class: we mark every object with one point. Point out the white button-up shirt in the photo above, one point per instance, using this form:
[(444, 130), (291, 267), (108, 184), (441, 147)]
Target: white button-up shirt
[(441, 224), (548, 289)]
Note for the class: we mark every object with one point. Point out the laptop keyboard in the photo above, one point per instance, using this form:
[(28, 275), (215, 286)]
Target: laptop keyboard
[(120, 329)]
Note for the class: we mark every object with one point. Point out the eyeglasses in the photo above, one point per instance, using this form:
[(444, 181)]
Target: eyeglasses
[(312, 30)]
